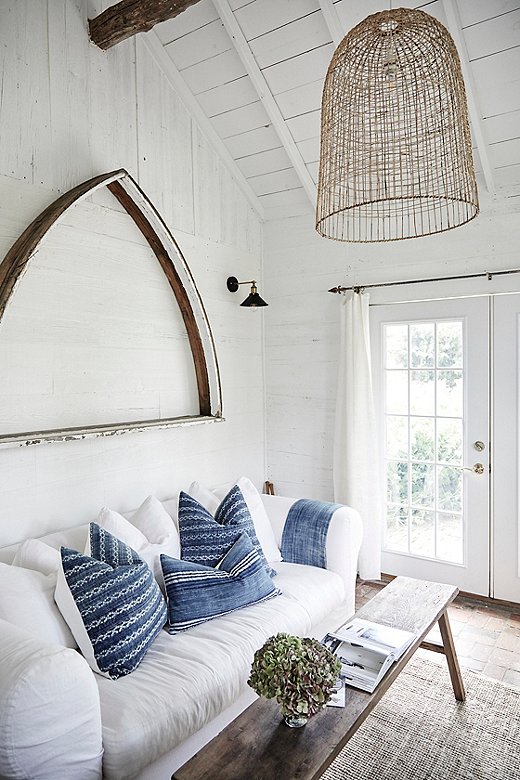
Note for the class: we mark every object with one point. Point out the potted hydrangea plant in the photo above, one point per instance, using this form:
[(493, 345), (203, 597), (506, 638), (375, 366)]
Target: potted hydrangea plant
[(299, 673)]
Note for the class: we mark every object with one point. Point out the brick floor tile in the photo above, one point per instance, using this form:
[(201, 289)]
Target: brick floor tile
[(512, 677), (478, 620), (480, 652), (465, 647), (456, 626), (494, 671), (477, 633), (471, 663), (505, 658), (487, 639), (458, 613), (494, 623), (507, 641)]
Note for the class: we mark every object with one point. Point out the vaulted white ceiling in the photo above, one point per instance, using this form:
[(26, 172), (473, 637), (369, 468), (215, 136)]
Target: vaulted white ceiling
[(253, 72)]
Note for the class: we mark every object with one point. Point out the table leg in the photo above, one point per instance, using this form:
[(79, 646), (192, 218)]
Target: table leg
[(451, 657)]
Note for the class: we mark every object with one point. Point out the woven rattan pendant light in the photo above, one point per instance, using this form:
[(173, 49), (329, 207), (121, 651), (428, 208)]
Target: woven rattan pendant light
[(396, 158)]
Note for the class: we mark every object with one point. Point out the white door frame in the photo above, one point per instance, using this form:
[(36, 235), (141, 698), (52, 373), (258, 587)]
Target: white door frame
[(506, 434)]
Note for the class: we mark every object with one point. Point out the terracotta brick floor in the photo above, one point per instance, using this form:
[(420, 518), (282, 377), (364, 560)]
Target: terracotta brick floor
[(487, 638)]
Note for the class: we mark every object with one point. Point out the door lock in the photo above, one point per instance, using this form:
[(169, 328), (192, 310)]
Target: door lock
[(479, 446)]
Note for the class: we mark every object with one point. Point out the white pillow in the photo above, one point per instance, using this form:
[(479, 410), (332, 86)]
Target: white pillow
[(154, 522), (263, 528), (119, 526), (27, 600), (35, 554), (150, 532), (206, 497)]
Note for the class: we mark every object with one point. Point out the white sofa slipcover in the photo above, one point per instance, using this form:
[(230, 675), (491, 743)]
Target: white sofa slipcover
[(60, 720)]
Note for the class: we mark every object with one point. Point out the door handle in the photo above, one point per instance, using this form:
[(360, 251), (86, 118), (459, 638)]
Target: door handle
[(477, 468)]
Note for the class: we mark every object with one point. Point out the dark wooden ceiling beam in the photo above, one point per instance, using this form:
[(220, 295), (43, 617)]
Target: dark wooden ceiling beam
[(125, 19)]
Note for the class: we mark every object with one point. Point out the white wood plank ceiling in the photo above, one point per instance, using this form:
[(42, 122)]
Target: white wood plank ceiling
[(253, 71)]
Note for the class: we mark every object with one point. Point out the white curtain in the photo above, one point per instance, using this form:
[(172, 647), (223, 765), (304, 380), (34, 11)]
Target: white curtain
[(357, 475)]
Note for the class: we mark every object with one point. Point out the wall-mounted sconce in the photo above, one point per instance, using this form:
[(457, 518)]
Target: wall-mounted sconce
[(253, 300)]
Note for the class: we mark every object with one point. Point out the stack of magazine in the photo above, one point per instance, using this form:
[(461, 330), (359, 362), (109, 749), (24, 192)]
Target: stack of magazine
[(367, 650)]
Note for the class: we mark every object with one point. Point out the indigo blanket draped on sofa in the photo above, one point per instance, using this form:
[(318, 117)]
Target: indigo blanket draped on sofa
[(304, 535)]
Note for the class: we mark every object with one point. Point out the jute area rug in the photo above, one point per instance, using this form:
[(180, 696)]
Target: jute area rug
[(418, 731)]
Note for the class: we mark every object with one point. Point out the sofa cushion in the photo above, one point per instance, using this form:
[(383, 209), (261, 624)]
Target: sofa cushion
[(206, 539), (264, 531), (311, 587), (186, 680), (111, 602), (196, 593), (27, 600)]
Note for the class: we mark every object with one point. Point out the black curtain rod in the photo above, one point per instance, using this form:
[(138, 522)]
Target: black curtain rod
[(357, 288)]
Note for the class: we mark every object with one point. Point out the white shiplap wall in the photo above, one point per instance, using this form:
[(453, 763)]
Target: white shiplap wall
[(68, 112), (93, 335), (302, 334)]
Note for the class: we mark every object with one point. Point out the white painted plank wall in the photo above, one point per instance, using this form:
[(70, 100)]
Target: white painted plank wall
[(92, 334), (163, 118), (68, 112), (302, 330)]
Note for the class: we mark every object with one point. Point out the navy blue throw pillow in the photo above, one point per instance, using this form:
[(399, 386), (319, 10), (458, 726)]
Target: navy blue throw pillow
[(111, 602), (196, 593), (205, 539)]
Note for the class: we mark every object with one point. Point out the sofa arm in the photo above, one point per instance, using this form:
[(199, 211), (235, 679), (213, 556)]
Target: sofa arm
[(50, 720), (343, 538)]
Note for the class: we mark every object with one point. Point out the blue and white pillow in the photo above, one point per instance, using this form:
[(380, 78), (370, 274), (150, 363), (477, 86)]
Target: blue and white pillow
[(205, 539), (196, 593), (111, 602)]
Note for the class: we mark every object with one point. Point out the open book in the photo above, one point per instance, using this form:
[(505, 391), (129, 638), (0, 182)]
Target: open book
[(366, 651)]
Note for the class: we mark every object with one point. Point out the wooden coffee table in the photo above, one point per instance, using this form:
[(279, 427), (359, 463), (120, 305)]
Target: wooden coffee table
[(258, 745)]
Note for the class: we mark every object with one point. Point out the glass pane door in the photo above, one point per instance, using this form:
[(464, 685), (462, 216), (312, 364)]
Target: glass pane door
[(432, 379), (423, 423)]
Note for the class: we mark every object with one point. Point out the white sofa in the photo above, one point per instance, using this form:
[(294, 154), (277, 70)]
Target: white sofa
[(60, 720)]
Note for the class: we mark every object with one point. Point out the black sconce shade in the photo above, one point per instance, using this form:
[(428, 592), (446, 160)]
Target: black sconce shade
[(253, 300)]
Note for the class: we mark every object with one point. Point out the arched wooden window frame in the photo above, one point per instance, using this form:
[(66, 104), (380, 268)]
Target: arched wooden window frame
[(126, 190)]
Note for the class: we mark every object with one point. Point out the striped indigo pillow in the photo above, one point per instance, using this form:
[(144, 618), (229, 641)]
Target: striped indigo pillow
[(111, 602), (196, 593), (205, 539)]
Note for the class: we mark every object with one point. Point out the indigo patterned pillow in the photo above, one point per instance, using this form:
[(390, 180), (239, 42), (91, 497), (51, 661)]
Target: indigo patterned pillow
[(197, 593), (205, 539), (111, 602)]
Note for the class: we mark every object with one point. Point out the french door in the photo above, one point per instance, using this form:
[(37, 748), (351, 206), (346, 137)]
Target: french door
[(446, 375), (431, 373)]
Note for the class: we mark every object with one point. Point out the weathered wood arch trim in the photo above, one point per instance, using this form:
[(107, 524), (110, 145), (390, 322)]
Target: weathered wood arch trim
[(126, 190)]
